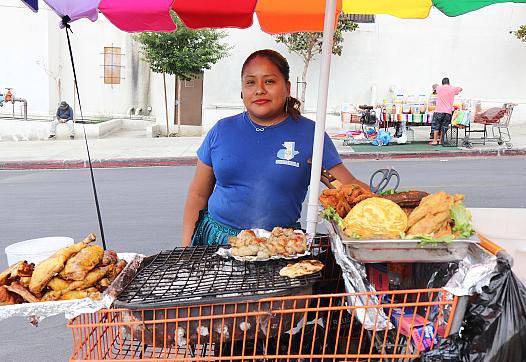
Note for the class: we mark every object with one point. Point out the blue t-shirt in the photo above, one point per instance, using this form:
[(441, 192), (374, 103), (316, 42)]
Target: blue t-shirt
[(261, 177)]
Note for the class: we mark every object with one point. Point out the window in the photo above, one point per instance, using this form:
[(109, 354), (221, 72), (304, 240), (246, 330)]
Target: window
[(112, 65), (361, 18)]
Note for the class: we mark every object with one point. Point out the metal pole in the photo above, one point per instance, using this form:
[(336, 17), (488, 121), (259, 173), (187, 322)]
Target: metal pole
[(321, 111)]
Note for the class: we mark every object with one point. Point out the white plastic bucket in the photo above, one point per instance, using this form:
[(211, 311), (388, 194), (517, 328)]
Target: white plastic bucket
[(36, 250)]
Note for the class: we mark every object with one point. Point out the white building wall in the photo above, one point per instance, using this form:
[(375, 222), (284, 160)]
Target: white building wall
[(475, 50), (24, 57)]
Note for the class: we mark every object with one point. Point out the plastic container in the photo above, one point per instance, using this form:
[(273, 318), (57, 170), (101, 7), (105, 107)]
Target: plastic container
[(36, 250), (431, 105), (409, 104), (399, 102), (422, 103)]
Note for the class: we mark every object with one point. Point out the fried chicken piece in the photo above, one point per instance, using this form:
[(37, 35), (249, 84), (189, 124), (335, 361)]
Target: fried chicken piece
[(48, 268), (7, 298), (25, 281), (92, 278), (344, 198), (19, 269), (80, 264), (109, 257), (79, 294), (121, 264), (443, 230), (432, 204), (17, 288), (430, 223), (58, 284), (329, 198), (103, 283)]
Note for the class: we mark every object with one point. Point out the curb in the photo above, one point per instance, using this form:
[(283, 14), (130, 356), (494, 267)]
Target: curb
[(192, 160), (496, 152), (101, 163)]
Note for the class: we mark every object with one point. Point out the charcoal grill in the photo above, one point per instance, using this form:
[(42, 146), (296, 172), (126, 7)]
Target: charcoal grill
[(193, 283), (197, 275)]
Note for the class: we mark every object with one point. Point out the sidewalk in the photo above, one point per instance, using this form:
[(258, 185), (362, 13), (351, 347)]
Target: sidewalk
[(132, 148)]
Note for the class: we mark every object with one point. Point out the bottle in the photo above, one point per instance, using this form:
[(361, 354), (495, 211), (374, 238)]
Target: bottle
[(399, 102), (422, 103), (409, 103), (431, 105)]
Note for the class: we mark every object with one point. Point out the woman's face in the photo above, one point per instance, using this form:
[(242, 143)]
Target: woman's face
[(264, 90)]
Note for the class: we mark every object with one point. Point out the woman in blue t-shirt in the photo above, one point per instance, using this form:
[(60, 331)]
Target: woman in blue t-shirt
[(253, 168)]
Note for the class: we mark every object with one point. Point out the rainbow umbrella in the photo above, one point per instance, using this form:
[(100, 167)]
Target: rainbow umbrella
[(274, 16)]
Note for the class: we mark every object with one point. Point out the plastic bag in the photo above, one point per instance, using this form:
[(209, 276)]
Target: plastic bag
[(382, 139), (494, 327)]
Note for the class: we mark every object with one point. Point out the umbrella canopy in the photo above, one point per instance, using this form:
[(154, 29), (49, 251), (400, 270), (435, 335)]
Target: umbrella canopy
[(274, 16)]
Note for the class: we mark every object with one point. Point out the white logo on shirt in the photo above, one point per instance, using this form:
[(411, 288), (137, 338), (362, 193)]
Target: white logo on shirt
[(287, 154)]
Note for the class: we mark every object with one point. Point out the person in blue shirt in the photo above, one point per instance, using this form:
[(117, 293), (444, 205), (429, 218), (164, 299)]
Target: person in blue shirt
[(253, 168), (64, 115)]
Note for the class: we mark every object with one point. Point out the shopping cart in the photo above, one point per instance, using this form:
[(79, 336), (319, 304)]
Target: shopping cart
[(495, 119), (322, 326)]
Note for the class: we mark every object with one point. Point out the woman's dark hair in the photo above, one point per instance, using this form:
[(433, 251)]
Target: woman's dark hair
[(292, 104)]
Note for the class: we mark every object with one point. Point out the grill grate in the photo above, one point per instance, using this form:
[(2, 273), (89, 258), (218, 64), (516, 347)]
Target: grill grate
[(196, 275)]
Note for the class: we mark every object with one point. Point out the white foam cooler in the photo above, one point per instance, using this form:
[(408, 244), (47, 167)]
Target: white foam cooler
[(36, 250)]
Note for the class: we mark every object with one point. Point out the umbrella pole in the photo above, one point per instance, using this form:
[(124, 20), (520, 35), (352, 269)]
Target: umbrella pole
[(321, 113)]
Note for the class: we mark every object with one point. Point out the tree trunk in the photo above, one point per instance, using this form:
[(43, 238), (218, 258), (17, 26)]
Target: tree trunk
[(166, 106), (177, 121), (304, 84), (307, 57)]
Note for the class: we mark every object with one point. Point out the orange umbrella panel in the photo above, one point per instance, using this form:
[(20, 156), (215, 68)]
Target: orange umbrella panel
[(289, 16), (197, 14)]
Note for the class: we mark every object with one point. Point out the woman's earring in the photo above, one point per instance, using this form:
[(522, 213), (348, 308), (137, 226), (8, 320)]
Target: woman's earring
[(287, 105)]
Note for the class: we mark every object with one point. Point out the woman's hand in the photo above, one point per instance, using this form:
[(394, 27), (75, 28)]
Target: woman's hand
[(345, 176), (199, 191)]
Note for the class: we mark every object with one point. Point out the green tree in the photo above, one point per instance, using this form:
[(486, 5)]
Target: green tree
[(308, 45), (521, 33), (183, 53)]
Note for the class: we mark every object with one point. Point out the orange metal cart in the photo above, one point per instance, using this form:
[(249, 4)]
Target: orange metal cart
[(304, 327)]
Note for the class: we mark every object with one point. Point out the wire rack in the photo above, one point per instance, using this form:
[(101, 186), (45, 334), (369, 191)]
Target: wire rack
[(196, 275)]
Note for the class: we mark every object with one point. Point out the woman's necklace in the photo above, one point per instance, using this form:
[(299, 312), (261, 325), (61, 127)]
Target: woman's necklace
[(258, 127)]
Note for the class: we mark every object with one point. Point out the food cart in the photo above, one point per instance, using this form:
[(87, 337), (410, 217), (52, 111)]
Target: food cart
[(222, 309)]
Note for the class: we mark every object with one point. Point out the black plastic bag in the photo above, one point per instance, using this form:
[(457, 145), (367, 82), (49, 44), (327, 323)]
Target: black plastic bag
[(494, 327)]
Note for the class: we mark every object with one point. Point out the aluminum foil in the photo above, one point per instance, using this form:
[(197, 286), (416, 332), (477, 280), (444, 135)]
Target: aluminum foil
[(36, 312), (474, 272), (356, 281)]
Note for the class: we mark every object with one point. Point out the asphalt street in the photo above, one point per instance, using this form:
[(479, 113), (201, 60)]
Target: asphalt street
[(142, 212)]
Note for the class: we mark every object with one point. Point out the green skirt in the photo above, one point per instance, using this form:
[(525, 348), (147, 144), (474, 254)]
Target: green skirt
[(209, 231)]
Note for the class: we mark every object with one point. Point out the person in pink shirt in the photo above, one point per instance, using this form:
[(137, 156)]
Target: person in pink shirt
[(444, 108)]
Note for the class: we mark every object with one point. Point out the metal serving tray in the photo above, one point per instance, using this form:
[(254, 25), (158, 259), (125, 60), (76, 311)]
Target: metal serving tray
[(403, 251), (406, 251)]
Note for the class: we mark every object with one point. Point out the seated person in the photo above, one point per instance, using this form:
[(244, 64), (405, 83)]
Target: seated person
[(64, 115)]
